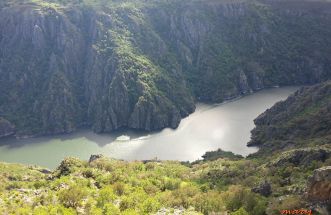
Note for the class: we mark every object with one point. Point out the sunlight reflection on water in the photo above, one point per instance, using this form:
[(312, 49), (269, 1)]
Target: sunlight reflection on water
[(226, 126)]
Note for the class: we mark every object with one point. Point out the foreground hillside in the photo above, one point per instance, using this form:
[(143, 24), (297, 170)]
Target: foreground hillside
[(142, 64), (105, 186)]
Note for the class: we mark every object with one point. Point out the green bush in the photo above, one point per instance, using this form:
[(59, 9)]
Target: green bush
[(106, 195), (119, 188), (73, 196), (150, 205), (110, 209), (241, 211)]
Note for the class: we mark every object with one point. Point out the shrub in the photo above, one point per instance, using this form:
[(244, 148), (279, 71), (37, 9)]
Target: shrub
[(130, 212), (106, 195), (68, 165), (127, 203), (110, 209), (241, 211), (288, 203), (170, 184), (88, 173), (54, 210), (39, 184), (151, 189), (119, 188), (150, 205), (184, 196), (239, 197), (73, 196), (209, 202)]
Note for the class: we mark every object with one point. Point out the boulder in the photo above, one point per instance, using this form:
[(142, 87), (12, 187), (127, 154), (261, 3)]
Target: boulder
[(95, 157), (319, 185), (45, 171), (264, 189)]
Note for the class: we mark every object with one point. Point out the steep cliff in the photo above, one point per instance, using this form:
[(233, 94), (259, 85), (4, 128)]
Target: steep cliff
[(143, 64), (304, 119)]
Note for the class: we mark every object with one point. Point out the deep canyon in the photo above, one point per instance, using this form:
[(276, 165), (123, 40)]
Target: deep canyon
[(177, 100), (143, 65)]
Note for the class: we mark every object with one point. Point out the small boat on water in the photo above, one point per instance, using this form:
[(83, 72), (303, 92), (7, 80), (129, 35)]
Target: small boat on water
[(123, 138), (142, 138)]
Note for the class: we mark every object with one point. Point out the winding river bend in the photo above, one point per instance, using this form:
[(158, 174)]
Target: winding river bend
[(226, 126)]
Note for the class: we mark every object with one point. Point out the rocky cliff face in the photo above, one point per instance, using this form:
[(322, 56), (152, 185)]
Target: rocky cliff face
[(41, 65), (303, 119), (142, 64)]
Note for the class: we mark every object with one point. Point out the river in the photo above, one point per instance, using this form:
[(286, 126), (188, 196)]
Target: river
[(226, 126)]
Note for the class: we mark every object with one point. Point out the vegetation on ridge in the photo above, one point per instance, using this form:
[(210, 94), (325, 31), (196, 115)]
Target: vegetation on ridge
[(106, 186)]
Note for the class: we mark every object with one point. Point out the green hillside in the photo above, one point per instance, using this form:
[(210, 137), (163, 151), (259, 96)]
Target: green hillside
[(107, 186)]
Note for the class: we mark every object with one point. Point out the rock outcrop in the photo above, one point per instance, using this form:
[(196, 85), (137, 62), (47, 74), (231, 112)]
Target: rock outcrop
[(6, 128), (95, 157), (264, 189), (304, 119), (319, 185), (303, 156)]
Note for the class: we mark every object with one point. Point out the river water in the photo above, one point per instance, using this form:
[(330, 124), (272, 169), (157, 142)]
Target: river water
[(226, 126)]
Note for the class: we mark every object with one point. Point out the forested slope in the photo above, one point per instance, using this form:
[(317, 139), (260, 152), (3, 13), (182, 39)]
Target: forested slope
[(143, 64)]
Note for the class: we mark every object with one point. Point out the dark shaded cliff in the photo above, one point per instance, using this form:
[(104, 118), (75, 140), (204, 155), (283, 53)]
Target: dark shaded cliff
[(143, 64)]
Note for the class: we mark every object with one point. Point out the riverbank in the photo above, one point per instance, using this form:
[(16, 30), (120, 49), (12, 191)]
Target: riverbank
[(226, 126)]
